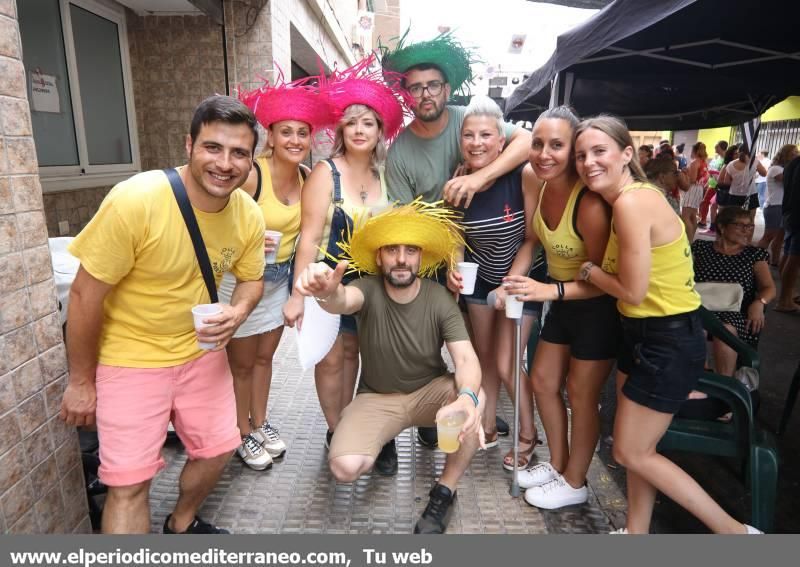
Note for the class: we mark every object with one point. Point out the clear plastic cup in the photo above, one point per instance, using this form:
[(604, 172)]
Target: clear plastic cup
[(469, 272), (272, 257), (514, 307), (448, 429), (203, 311)]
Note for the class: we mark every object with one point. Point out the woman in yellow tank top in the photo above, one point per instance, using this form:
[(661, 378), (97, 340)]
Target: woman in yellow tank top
[(580, 336), (289, 114), (648, 268)]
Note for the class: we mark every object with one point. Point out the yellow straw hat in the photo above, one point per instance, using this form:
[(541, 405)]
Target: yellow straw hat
[(430, 226)]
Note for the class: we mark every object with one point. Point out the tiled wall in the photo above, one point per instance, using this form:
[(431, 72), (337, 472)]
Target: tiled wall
[(75, 207), (41, 478), (176, 62)]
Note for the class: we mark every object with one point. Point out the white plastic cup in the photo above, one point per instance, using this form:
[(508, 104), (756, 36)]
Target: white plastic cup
[(514, 307), (203, 311), (469, 273), (272, 257)]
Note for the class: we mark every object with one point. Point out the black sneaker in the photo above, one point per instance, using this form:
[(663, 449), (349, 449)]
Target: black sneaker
[(427, 436), (386, 463), (198, 526), (437, 513), (502, 426), (328, 437)]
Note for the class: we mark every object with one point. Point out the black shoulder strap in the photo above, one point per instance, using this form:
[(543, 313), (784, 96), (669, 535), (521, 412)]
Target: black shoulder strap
[(258, 181), (575, 208), (194, 231), (337, 184)]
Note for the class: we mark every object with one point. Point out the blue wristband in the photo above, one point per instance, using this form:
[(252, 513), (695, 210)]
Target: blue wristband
[(469, 393)]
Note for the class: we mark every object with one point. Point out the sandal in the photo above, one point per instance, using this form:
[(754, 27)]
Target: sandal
[(490, 439), (525, 457)]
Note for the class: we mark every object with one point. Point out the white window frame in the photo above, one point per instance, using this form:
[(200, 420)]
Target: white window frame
[(84, 175)]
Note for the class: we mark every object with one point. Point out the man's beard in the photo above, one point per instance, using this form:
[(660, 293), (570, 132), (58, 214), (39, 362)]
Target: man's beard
[(433, 114), (394, 282)]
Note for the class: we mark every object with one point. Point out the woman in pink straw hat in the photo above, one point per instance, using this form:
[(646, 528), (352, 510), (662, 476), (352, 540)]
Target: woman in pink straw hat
[(345, 188), (290, 113)]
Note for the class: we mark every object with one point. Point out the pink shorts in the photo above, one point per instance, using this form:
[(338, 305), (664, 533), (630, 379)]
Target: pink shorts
[(135, 405)]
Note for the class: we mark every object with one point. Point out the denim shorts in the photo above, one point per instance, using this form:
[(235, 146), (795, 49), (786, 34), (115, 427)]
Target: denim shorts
[(482, 289), (347, 323), (267, 315), (663, 357)]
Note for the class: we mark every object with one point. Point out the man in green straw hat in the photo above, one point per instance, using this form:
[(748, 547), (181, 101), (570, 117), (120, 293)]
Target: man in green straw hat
[(424, 157), (403, 321)]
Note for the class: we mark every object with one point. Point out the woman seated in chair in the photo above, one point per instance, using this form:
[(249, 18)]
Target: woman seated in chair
[(731, 259)]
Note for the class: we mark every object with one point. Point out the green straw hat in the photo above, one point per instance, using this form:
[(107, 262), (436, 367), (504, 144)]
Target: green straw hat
[(444, 51)]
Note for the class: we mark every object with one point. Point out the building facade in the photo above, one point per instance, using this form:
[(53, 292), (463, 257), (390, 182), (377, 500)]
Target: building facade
[(93, 91)]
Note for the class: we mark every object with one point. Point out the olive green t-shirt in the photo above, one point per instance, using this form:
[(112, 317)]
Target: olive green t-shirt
[(401, 344)]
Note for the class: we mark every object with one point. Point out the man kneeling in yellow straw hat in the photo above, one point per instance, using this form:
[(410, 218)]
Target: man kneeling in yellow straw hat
[(403, 321)]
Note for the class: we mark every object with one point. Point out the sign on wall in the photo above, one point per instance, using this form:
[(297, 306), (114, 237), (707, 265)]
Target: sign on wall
[(44, 94)]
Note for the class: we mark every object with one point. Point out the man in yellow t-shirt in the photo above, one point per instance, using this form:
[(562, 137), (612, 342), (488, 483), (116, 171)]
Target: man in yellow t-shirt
[(134, 358)]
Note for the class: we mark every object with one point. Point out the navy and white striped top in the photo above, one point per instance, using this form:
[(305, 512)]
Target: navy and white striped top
[(494, 227)]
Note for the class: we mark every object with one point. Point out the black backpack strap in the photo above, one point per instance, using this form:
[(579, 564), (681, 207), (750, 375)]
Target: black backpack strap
[(337, 183), (200, 251), (258, 181), (575, 208)]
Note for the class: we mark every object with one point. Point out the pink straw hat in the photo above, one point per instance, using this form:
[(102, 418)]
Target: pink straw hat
[(359, 85), (298, 100)]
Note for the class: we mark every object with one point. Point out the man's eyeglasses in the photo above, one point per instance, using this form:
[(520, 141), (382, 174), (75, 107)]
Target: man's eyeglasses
[(743, 226), (434, 88)]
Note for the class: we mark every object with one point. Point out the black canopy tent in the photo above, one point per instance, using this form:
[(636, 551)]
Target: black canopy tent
[(671, 64)]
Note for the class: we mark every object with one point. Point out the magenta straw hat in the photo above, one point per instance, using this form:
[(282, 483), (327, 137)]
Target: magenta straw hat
[(360, 85), (298, 100)]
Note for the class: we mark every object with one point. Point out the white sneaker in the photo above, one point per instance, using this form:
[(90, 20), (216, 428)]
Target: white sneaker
[(753, 531), (253, 454), (621, 531), (267, 436), (537, 475), (556, 494)]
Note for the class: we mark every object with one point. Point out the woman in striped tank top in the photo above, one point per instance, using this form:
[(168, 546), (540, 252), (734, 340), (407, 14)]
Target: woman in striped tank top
[(498, 236), (580, 337), (648, 268)]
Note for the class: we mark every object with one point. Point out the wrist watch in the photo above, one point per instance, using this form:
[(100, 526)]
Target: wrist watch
[(586, 271)]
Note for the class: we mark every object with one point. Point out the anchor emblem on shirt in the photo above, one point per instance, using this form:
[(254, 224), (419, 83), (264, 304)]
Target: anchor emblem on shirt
[(508, 217)]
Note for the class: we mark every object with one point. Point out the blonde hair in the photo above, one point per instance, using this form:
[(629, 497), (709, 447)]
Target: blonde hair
[(616, 129), (378, 156)]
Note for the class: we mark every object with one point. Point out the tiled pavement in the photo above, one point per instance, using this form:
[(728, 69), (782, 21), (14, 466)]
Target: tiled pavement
[(299, 495)]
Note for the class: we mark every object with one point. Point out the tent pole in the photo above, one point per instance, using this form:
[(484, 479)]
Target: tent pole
[(568, 85), (555, 86)]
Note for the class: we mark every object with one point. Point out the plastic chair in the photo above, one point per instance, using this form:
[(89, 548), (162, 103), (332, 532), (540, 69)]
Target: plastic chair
[(741, 438), (791, 398)]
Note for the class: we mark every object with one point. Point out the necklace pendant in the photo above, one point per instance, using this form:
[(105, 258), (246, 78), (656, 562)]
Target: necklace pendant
[(363, 197)]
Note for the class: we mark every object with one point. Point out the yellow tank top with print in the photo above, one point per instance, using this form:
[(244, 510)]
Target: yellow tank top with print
[(671, 288), (565, 250), (277, 215)]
